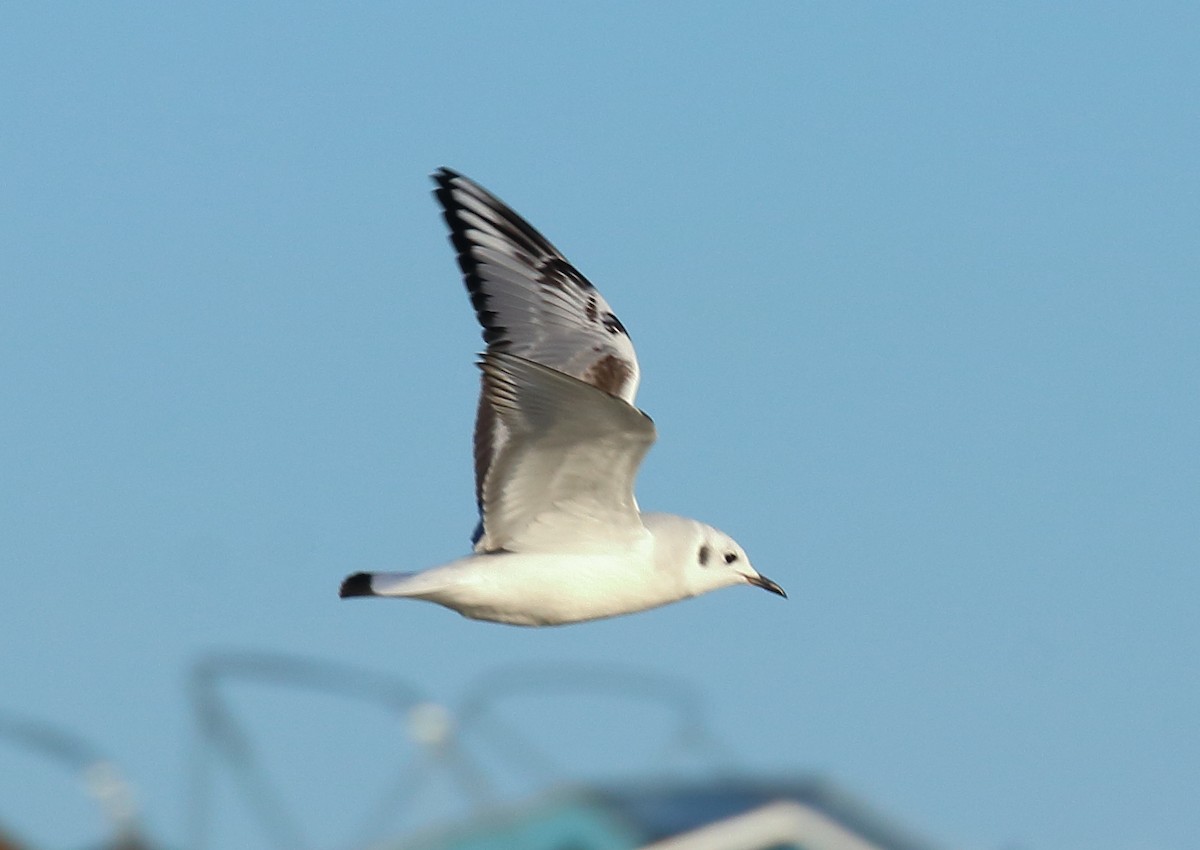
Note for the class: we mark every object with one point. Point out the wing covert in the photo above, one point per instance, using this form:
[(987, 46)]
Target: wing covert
[(563, 481)]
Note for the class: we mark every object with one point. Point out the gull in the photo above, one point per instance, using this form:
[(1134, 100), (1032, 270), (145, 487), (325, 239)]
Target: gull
[(558, 443)]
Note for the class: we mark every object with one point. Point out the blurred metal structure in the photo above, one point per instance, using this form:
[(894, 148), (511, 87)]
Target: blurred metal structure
[(721, 814), (219, 732), (99, 775), (438, 735)]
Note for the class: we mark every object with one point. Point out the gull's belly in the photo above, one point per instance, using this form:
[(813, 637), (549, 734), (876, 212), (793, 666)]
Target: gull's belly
[(543, 590)]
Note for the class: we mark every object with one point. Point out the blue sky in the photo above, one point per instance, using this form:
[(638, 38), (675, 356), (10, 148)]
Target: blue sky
[(914, 290)]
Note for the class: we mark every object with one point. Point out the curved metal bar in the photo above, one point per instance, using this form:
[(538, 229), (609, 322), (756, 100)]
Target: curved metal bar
[(217, 725)]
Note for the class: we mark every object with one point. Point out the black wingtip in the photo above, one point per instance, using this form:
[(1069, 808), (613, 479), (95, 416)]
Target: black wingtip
[(444, 176), (358, 584)]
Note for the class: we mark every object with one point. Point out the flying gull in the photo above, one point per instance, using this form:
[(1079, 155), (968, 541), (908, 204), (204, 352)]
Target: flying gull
[(558, 443)]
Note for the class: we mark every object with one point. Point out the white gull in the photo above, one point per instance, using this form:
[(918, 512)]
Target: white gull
[(558, 444)]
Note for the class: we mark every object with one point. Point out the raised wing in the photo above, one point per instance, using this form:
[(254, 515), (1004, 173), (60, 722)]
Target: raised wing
[(563, 482), (531, 303)]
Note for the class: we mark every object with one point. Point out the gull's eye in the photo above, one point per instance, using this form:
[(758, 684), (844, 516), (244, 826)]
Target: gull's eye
[(704, 553), (730, 557)]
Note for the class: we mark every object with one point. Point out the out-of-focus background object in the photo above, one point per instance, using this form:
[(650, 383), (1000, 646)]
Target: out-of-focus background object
[(669, 808), (93, 773), (693, 798)]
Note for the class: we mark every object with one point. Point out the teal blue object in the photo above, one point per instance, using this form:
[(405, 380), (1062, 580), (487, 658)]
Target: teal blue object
[(567, 826)]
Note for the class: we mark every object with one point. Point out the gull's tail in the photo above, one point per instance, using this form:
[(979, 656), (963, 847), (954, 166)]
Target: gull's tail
[(358, 584), (383, 584)]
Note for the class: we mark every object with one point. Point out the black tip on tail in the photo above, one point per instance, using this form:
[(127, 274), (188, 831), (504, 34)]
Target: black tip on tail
[(358, 584)]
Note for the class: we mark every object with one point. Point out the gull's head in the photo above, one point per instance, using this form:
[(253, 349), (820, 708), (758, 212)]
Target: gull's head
[(714, 560)]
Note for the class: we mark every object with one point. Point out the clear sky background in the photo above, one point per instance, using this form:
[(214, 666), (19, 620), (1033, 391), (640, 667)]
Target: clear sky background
[(915, 290)]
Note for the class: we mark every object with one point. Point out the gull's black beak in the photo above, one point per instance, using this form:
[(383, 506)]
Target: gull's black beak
[(766, 584)]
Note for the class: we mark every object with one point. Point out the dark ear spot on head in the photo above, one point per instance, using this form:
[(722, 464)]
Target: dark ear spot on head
[(730, 557), (704, 553)]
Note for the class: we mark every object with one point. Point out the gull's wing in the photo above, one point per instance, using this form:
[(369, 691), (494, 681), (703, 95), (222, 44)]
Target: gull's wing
[(563, 481), (532, 303)]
